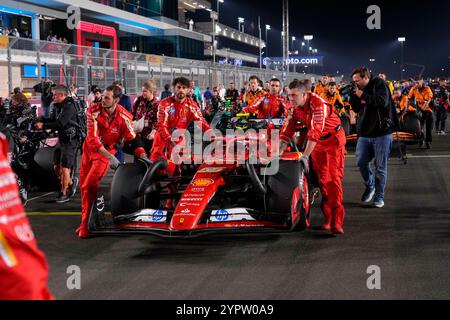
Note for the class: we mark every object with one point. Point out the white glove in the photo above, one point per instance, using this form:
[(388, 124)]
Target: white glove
[(139, 125), (114, 163), (304, 160)]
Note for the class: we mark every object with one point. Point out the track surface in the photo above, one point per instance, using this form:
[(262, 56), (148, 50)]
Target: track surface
[(409, 239)]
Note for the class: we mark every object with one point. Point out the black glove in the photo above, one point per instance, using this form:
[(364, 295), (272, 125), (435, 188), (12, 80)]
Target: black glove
[(304, 160)]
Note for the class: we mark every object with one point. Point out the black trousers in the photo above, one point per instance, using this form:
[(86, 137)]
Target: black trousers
[(441, 116), (427, 120)]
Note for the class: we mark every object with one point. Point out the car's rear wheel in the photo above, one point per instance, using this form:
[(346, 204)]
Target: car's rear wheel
[(345, 123), (41, 171), (411, 124)]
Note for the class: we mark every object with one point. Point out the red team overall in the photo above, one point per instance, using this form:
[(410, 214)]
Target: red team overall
[(269, 106), (23, 268), (108, 125), (175, 112), (326, 145)]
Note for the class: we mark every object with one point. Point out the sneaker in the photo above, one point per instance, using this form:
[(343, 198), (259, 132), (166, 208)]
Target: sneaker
[(421, 144), (428, 144), (368, 195), (378, 203), (443, 133), (62, 198), (73, 188)]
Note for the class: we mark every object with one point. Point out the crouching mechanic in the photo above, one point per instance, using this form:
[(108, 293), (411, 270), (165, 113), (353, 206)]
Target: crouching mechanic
[(326, 145), (23, 267), (63, 119), (175, 112), (108, 124), (270, 105)]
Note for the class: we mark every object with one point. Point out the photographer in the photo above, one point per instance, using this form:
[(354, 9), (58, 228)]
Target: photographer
[(376, 123), (45, 88), (64, 120)]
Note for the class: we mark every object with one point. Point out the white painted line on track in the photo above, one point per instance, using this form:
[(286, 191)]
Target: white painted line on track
[(41, 196), (437, 156)]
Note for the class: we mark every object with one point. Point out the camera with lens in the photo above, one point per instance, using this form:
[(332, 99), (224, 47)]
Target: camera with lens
[(44, 87), (348, 89)]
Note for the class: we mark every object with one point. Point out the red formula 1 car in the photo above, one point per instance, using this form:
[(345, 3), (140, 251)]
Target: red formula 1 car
[(210, 198)]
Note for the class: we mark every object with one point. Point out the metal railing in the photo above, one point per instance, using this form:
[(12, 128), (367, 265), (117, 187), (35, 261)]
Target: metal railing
[(85, 66)]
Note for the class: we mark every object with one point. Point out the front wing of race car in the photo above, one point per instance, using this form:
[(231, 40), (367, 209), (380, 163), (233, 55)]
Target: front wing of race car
[(159, 222)]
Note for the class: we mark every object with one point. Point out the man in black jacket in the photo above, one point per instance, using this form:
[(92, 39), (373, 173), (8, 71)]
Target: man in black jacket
[(376, 123), (63, 119), (441, 96)]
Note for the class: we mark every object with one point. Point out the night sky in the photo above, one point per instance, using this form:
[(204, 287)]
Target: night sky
[(342, 38)]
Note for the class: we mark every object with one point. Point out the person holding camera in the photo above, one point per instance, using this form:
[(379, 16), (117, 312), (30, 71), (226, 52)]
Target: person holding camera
[(377, 120), (63, 119), (45, 88)]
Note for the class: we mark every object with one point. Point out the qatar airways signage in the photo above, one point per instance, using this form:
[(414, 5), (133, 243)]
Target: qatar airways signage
[(294, 60)]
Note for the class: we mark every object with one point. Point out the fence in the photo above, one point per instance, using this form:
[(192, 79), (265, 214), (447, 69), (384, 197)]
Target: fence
[(85, 66)]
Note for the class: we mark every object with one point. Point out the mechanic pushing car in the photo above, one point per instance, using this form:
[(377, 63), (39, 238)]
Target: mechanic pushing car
[(63, 118), (423, 96), (175, 112), (325, 144), (108, 124), (23, 267), (269, 106)]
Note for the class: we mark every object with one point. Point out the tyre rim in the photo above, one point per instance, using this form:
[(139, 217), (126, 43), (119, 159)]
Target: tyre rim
[(305, 195), (295, 213), (295, 199)]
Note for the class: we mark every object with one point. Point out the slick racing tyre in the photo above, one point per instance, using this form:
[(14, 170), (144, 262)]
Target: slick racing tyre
[(345, 123), (42, 174), (411, 124), (124, 189), (288, 192)]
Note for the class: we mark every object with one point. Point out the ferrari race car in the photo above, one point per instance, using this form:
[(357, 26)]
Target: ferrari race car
[(214, 197)]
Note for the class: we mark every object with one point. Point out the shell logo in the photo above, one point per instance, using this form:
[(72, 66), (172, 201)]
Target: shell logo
[(202, 182)]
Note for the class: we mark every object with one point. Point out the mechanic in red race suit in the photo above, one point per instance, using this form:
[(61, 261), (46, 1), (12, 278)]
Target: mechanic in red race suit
[(175, 112), (23, 267), (269, 106), (326, 145), (108, 125)]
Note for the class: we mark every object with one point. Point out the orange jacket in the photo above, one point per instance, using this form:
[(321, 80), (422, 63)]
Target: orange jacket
[(403, 104), (320, 89), (336, 101), (251, 97), (423, 97)]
